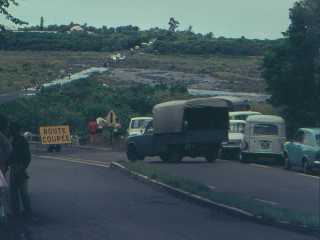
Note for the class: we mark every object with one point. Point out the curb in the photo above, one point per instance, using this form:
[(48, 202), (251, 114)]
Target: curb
[(37, 144), (218, 206)]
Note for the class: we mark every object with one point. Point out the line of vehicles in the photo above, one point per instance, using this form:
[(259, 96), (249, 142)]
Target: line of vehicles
[(218, 127)]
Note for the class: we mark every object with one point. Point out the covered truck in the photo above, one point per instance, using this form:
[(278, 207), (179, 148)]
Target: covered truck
[(194, 128)]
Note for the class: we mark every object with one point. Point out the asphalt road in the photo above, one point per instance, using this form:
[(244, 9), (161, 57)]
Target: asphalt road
[(75, 196)]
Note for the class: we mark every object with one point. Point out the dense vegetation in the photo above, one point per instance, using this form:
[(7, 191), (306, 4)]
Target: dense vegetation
[(292, 70), (76, 103), (59, 37)]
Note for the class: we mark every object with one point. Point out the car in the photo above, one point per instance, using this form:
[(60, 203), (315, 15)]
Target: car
[(193, 128), (242, 115), (264, 138), (137, 125), (236, 137), (304, 150)]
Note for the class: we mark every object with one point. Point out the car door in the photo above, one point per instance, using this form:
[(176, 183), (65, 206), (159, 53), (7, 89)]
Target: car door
[(296, 149)]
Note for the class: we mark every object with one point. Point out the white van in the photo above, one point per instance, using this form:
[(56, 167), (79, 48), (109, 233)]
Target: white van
[(137, 125), (264, 137)]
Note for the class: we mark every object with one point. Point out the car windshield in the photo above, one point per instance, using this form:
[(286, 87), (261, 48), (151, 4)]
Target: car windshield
[(265, 129), (237, 127), (141, 123)]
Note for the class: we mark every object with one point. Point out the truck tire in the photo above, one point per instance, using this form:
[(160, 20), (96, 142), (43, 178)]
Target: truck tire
[(212, 156), (174, 155), (132, 154)]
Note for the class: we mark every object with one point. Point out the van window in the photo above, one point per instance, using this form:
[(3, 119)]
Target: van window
[(266, 129)]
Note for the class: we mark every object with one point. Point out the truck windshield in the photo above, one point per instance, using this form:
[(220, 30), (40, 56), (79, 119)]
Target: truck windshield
[(141, 123), (237, 127), (265, 129)]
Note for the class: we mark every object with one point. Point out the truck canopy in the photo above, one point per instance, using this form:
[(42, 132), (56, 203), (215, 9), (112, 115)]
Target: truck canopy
[(201, 113)]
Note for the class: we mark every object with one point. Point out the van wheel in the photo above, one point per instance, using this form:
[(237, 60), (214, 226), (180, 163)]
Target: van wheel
[(132, 154), (287, 164), (306, 167), (212, 156)]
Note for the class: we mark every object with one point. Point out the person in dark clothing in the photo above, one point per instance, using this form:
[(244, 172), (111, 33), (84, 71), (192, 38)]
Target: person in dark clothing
[(5, 146), (19, 161)]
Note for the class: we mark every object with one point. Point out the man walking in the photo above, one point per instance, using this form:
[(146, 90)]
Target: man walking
[(19, 161), (5, 147)]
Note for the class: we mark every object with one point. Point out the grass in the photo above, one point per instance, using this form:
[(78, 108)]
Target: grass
[(19, 69), (265, 211)]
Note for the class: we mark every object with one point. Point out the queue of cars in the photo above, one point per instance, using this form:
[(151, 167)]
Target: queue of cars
[(203, 127)]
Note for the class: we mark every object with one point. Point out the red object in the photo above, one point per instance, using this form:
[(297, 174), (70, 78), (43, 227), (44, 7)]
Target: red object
[(92, 127)]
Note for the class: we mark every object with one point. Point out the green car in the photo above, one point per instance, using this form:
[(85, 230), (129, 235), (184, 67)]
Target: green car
[(304, 150)]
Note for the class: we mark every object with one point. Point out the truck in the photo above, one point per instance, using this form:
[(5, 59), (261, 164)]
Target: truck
[(185, 128)]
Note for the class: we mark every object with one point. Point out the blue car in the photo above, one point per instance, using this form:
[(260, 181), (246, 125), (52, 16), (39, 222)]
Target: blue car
[(304, 150)]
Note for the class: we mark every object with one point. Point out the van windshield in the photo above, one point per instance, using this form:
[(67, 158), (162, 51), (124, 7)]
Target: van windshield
[(141, 123), (266, 129), (318, 139), (237, 127)]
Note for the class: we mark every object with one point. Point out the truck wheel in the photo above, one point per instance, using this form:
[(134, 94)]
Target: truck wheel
[(164, 157), (132, 154), (212, 156), (174, 156)]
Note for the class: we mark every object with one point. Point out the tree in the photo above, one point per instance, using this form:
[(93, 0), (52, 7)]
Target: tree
[(292, 69), (4, 10), (173, 24)]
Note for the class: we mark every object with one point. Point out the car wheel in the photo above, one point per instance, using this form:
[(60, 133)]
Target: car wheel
[(306, 166), (212, 156), (132, 154), (287, 164)]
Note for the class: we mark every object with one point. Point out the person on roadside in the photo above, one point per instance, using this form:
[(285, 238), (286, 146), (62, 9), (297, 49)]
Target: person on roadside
[(92, 129), (19, 161), (5, 146)]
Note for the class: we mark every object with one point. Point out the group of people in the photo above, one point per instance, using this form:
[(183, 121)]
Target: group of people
[(15, 158)]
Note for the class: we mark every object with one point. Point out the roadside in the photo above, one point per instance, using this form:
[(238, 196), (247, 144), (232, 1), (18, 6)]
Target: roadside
[(125, 210)]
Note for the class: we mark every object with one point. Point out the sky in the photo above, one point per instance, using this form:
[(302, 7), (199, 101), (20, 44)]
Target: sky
[(230, 18)]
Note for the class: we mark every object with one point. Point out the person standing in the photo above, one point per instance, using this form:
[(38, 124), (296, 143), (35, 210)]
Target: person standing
[(19, 161), (92, 129), (5, 146)]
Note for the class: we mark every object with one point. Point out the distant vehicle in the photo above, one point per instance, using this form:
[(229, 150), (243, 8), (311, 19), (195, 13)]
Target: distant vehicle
[(264, 137), (304, 150), (194, 128), (236, 103), (236, 137), (137, 125), (242, 115)]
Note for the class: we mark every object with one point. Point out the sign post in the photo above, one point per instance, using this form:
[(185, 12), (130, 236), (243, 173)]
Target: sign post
[(55, 135)]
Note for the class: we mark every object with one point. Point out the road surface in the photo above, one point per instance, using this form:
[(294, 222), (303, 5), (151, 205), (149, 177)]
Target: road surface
[(77, 197)]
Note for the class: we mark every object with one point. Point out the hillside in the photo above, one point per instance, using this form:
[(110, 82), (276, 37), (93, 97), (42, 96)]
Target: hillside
[(20, 69)]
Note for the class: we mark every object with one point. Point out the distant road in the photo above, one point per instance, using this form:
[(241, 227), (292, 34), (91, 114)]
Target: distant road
[(81, 201)]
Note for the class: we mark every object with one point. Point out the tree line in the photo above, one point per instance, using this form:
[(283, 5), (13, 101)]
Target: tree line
[(59, 37)]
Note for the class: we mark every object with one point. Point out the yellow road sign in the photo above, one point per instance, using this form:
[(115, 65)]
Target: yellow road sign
[(55, 135)]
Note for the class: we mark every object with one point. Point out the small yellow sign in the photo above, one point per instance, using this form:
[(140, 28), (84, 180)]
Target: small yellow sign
[(55, 135)]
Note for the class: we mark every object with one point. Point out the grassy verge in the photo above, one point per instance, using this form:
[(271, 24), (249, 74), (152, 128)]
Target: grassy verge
[(264, 211)]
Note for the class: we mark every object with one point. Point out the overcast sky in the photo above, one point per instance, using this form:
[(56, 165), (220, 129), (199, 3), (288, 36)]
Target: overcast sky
[(230, 18)]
